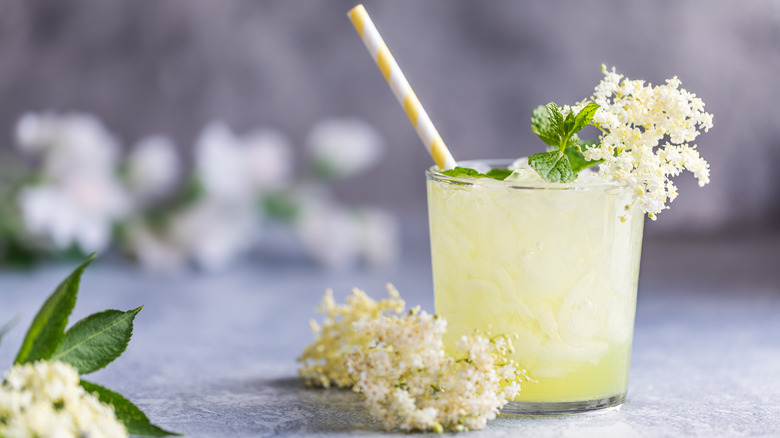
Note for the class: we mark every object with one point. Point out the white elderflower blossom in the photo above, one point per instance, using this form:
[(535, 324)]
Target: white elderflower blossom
[(399, 364), (635, 118), (411, 383), (44, 399), (323, 361)]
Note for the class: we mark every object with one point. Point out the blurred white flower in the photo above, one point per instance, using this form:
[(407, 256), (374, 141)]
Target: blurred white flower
[(339, 238), (214, 234), (79, 197), (79, 211), (237, 169), (69, 144), (329, 233), (153, 168), (155, 251), (379, 237), (269, 159), (209, 234), (344, 147)]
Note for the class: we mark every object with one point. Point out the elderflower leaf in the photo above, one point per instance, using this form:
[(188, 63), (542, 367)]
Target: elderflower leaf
[(136, 422), (97, 340), (48, 328), (553, 166)]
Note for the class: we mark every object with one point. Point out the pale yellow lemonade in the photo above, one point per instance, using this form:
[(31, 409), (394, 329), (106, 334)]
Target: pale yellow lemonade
[(555, 264)]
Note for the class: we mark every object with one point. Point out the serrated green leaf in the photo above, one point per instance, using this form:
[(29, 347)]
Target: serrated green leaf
[(568, 124), (96, 340), (585, 116), (136, 422), (499, 174), (556, 118), (544, 125), (552, 166), (461, 172), (48, 327), (466, 172), (540, 119)]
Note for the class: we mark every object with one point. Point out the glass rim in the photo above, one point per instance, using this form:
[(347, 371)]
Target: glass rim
[(433, 173)]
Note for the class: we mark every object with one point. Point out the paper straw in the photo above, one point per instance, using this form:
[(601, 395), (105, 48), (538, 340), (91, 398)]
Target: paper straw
[(401, 88)]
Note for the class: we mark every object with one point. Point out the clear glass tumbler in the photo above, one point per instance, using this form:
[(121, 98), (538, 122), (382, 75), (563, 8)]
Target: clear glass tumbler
[(555, 266)]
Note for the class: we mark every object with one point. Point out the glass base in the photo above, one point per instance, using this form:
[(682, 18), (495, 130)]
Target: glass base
[(553, 408)]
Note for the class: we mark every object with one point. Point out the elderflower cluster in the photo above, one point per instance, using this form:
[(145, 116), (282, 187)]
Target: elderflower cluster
[(323, 361), (410, 383), (646, 135), (398, 362), (44, 399)]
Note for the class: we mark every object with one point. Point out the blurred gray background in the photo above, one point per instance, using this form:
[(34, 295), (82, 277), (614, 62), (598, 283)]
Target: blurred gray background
[(150, 66)]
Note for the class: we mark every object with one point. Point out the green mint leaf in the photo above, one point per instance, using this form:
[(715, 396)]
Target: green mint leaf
[(544, 124), (48, 328), (552, 166), (552, 128), (540, 119), (556, 118), (499, 174), (96, 340), (136, 422), (465, 172), (584, 117), (568, 124), (461, 172)]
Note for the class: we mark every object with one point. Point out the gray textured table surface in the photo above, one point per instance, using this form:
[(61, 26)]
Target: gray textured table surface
[(214, 356)]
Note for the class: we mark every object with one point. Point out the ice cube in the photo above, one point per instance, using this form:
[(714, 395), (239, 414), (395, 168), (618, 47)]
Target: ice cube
[(480, 166), (520, 163), (525, 176)]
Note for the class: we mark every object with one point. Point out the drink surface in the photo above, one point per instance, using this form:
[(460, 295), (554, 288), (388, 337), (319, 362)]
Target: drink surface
[(556, 267)]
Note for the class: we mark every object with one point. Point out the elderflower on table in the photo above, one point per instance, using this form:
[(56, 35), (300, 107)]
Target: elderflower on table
[(44, 399), (399, 364), (323, 361), (635, 118), (412, 384)]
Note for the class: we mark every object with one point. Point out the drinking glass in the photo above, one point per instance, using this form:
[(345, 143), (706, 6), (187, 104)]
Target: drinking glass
[(554, 266)]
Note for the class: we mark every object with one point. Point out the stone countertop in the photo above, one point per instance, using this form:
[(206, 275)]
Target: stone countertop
[(214, 355)]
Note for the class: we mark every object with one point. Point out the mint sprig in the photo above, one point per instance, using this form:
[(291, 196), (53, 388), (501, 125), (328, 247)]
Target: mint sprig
[(88, 346), (562, 163), (466, 172)]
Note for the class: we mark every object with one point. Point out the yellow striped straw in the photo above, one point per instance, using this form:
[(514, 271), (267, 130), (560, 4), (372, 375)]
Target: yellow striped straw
[(401, 88)]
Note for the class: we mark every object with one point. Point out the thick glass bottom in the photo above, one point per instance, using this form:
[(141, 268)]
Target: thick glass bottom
[(553, 408)]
